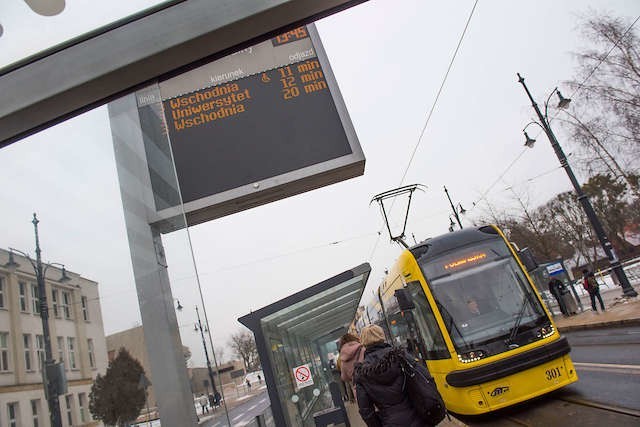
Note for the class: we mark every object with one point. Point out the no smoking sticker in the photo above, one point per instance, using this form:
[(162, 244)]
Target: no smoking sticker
[(303, 377)]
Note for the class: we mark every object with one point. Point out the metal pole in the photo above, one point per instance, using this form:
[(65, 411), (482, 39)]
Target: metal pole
[(455, 212), (52, 400), (206, 355), (616, 267)]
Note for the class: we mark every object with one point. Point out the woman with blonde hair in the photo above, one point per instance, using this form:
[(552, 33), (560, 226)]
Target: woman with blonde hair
[(379, 379)]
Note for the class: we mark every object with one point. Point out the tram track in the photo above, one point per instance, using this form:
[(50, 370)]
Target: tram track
[(598, 405), (559, 411)]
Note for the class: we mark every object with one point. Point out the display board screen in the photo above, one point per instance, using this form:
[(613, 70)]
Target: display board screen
[(265, 118)]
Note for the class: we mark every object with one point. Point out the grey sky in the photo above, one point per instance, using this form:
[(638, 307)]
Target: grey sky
[(389, 58)]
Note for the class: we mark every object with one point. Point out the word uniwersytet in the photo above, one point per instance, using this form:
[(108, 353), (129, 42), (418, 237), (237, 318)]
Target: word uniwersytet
[(209, 105)]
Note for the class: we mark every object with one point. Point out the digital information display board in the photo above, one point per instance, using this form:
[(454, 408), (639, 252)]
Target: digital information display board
[(256, 126)]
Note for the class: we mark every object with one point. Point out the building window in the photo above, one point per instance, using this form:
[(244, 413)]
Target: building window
[(71, 346), (82, 403), (23, 296), (4, 351), (66, 305), (60, 349), (12, 414), (92, 360), (1, 292), (85, 308), (28, 365), (40, 351), (54, 300), (35, 299), (35, 412), (69, 401)]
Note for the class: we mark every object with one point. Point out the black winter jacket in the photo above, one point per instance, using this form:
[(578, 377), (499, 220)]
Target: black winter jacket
[(382, 400)]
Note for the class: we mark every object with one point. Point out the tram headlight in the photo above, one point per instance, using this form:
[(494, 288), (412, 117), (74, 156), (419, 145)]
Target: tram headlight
[(545, 331), (471, 356)]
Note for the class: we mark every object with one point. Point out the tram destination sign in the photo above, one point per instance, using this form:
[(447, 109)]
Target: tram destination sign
[(256, 126)]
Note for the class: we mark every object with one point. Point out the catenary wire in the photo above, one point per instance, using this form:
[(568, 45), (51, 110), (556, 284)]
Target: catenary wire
[(428, 119)]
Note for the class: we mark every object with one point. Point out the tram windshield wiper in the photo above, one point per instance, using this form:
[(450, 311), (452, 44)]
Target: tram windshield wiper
[(516, 325)]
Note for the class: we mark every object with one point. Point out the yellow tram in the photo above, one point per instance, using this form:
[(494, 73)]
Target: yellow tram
[(464, 303)]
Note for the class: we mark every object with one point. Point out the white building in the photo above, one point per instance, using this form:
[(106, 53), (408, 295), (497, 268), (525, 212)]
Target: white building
[(77, 339)]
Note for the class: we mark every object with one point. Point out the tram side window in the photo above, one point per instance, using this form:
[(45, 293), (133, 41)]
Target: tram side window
[(427, 324)]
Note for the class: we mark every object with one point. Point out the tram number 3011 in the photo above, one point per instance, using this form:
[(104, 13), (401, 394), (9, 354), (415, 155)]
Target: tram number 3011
[(553, 374)]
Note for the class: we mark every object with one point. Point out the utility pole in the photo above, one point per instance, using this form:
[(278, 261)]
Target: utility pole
[(216, 395), (453, 208)]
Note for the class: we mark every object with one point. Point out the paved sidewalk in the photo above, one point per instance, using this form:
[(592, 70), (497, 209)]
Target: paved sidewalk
[(620, 310), (356, 420)]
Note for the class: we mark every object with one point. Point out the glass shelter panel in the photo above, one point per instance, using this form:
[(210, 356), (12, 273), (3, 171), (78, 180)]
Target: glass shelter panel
[(297, 341)]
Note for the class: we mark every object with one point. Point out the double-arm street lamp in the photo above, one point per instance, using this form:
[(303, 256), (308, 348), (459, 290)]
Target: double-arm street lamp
[(51, 379), (616, 267), (199, 328)]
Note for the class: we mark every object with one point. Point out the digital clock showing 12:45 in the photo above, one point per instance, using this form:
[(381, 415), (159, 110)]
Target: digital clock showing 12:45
[(290, 36)]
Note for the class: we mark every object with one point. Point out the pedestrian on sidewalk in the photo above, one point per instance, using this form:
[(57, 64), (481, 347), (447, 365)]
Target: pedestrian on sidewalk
[(351, 352), (555, 287), (380, 384), (204, 403), (590, 285)]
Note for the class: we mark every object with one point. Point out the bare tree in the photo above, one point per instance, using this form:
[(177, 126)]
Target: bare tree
[(244, 346), (610, 200), (568, 222), (220, 352), (606, 121), (528, 227)]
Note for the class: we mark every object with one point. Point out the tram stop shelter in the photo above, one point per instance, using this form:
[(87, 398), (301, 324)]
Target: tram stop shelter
[(296, 339)]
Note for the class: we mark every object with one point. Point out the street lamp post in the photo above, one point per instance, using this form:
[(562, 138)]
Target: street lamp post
[(616, 267), (455, 211), (50, 387), (216, 395)]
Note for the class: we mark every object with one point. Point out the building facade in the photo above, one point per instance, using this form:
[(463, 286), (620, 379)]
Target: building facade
[(77, 340), (201, 383)]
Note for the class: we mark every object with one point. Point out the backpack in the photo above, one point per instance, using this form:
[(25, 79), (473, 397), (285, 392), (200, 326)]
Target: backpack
[(422, 391), (590, 284)]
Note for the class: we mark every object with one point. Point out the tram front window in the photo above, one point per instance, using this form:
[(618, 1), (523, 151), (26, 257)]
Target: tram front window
[(484, 298)]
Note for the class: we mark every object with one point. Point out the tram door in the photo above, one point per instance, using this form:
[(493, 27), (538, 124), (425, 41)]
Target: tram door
[(411, 332)]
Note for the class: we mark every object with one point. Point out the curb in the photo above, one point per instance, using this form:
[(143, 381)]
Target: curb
[(625, 322)]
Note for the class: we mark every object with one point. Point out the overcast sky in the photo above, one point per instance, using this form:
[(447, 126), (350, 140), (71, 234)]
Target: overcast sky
[(389, 58)]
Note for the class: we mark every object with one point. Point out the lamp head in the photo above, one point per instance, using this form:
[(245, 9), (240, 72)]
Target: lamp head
[(529, 143), (563, 102), (11, 264), (462, 210), (64, 278)]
